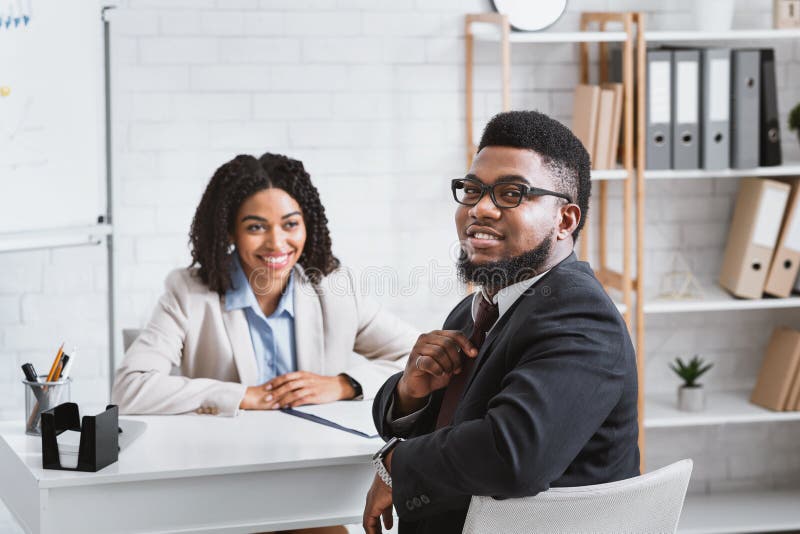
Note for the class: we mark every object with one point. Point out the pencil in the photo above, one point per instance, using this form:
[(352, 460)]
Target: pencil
[(51, 375)]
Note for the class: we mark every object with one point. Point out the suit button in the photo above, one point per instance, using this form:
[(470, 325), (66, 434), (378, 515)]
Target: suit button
[(409, 504), (424, 498), (417, 502)]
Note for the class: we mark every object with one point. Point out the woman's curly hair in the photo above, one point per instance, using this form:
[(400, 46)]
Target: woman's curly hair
[(215, 219)]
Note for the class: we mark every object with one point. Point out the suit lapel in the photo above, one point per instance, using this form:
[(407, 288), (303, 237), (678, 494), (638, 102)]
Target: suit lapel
[(243, 354), (501, 323), (308, 325)]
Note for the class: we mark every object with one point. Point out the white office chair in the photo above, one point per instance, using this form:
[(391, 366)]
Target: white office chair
[(647, 504)]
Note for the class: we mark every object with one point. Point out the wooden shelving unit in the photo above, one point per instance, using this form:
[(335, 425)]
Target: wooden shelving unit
[(755, 510)]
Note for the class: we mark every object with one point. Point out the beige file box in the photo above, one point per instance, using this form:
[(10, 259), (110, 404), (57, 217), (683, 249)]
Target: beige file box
[(605, 121), (752, 236), (793, 399), (778, 370), (585, 108), (616, 122), (786, 260)]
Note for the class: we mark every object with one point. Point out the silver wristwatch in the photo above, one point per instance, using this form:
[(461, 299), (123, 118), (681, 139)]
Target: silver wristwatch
[(378, 457)]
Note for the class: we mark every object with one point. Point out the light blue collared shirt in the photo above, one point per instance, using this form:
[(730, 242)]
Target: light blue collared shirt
[(273, 336)]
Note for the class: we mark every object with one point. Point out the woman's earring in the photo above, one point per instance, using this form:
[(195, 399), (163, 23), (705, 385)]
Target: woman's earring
[(231, 248)]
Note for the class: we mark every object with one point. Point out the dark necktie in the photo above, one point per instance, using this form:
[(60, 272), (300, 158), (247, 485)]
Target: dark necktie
[(485, 317)]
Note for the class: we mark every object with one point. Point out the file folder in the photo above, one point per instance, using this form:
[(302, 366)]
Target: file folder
[(659, 113), (685, 109), (792, 400), (778, 370), (585, 108), (786, 260), (745, 95), (752, 236), (715, 68), (616, 124), (769, 133), (796, 288), (605, 122)]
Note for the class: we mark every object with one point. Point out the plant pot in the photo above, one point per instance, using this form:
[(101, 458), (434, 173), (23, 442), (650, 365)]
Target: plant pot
[(714, 15), (691, 399)]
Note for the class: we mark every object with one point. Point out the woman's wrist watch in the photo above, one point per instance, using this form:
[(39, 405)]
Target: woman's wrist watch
[(378, 457), (357, 390)]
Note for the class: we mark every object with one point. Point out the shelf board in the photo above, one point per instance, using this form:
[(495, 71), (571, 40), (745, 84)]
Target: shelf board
[(485, 31), (790, 169), (741, 511), (54, 238), (722, 407), (609, 174), (717, 299), (727, 36)]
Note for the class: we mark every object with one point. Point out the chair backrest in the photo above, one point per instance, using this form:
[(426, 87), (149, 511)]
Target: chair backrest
[(647, 504)]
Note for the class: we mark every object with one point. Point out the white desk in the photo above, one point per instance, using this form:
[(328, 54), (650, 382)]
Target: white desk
[(191, 473)]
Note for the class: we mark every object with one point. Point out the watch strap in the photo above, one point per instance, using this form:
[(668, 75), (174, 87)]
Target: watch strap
[(359, 391), (382, 471)]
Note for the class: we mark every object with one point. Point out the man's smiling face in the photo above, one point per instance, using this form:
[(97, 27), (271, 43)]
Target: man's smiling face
[(491, 234)]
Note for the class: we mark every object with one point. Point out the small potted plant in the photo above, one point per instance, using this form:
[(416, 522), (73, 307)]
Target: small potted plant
[(691, 395), (794, 120)]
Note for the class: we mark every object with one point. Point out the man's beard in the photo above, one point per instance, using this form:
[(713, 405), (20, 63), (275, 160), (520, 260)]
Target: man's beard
[(505, 272)]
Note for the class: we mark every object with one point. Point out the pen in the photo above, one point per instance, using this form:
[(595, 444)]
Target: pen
[(62, 367), (30, 373), (31, 376), (52, 374), (67, 367)]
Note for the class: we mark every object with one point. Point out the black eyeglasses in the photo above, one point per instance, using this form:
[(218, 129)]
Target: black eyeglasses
[(469, 192)]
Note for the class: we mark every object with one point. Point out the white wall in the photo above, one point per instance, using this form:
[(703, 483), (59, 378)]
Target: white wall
[(368, 93)]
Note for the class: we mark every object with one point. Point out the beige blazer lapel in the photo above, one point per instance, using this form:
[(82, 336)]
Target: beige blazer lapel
[(308, 325), (243, 353)]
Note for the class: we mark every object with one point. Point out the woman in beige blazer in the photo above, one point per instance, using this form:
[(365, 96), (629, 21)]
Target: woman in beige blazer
[(264, 317)]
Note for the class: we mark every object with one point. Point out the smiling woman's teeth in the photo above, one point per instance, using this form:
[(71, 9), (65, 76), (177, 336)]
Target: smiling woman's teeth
[(276, 259), (481, 235)]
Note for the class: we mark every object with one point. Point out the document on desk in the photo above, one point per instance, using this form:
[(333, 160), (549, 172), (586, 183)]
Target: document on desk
[(351, 416)]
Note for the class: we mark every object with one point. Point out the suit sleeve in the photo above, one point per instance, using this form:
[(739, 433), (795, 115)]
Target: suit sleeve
[(143, 384), (566, 380), (383, 339)]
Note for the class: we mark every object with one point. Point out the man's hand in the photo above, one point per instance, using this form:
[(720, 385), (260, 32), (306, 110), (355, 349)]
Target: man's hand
[(296, 389), (379, 503), (435, 358)]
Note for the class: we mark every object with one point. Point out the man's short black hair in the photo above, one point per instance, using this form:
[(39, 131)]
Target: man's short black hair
[(562, 153)]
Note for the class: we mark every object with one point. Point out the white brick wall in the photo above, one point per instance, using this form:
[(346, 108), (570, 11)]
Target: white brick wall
[(369, 94)]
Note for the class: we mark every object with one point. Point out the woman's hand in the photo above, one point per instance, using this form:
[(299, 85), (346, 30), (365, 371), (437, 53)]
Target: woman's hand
[(296, 389), (257, 398)]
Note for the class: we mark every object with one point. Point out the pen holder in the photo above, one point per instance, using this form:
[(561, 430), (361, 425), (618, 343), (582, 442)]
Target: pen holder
[(99, 442), (41, 396)]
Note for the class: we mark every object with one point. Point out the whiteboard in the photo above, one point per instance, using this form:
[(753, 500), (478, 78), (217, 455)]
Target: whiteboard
[(52, 115)]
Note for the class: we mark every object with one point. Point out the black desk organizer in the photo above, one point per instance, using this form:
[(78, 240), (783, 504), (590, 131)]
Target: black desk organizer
[(99, 445)]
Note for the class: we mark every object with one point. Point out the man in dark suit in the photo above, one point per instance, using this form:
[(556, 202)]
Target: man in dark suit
[(543, 392)]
